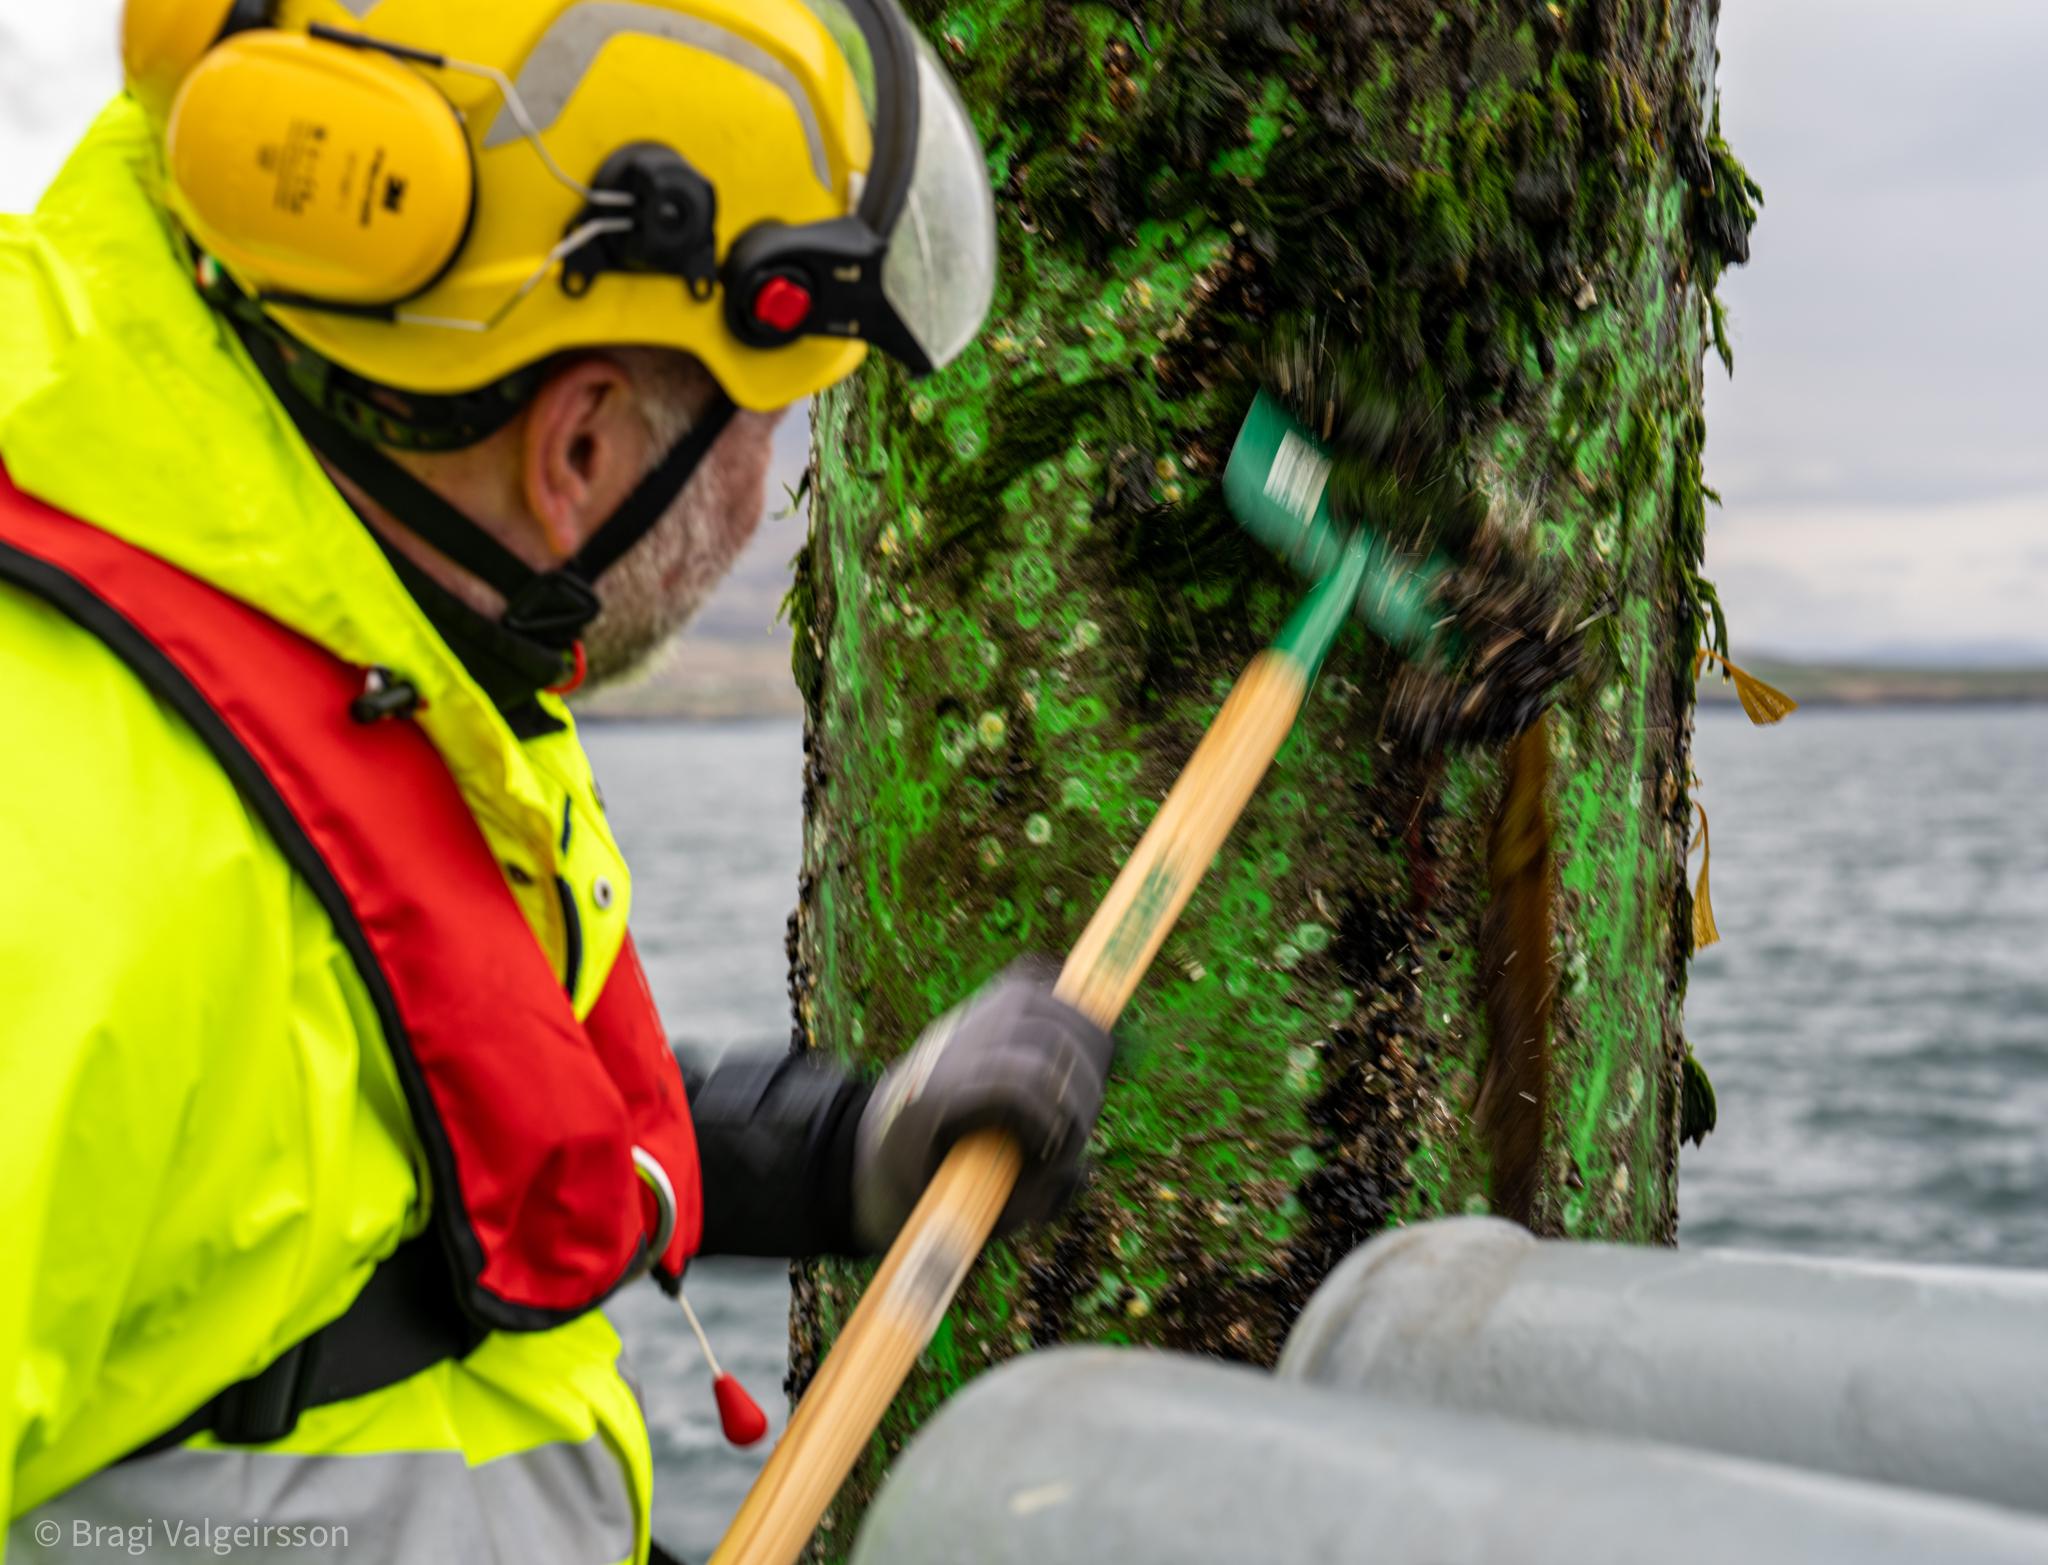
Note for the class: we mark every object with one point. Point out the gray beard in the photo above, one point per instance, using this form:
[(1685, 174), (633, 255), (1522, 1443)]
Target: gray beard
[(657, 588)]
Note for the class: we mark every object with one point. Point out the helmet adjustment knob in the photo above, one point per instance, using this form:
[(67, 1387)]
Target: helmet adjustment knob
[(782, 303), (673, 216)]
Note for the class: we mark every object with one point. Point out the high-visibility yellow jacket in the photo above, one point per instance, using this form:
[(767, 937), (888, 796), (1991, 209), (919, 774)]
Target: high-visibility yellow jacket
[(204, 1148)]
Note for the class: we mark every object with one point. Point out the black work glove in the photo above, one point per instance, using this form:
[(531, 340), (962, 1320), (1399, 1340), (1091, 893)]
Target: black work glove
[(1013, 1057)]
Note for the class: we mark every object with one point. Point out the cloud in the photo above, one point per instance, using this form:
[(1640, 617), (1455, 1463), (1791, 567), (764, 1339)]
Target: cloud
[(1885, 422), (1965, 581), (1890, 330), (58, 65)]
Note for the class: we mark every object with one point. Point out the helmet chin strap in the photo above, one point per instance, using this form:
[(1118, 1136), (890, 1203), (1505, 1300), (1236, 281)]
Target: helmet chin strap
[(552, 607)]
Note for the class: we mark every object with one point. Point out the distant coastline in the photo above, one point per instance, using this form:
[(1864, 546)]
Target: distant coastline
[(705, 680), (719, 679), (1853, 685)]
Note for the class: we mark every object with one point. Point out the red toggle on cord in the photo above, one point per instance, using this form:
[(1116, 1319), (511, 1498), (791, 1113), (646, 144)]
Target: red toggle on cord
[(739, 1415)]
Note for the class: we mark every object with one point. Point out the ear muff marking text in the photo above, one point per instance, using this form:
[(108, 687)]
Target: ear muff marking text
[(295, 164)]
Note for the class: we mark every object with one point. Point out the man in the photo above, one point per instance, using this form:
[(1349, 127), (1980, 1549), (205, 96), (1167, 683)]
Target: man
[(365, 382)]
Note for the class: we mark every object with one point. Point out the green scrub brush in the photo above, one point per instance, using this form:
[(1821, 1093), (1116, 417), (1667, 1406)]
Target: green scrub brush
[(1317, 470)]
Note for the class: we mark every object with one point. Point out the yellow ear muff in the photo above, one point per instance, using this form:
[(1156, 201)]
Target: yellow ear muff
[(319, 172), (161, 40)]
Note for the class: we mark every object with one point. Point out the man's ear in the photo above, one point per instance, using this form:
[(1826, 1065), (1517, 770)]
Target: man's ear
[(584, 450)]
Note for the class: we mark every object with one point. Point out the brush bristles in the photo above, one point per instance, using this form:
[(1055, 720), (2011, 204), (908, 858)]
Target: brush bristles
[(1506, 641), (1519, 645)]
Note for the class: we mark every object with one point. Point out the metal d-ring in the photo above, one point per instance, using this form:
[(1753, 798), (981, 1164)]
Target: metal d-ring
[(664, 1193)]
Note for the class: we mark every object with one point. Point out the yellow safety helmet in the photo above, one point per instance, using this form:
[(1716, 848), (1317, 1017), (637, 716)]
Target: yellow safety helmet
[(433, 195), (410, 208)]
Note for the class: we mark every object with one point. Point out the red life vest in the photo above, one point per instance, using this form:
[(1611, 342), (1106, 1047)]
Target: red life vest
[(530, 1120)]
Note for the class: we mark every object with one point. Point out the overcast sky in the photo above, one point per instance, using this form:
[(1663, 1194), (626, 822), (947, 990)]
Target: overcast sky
[(1883, 448)]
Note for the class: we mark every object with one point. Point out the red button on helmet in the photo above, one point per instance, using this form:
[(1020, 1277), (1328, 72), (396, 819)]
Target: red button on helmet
[(782, 303)]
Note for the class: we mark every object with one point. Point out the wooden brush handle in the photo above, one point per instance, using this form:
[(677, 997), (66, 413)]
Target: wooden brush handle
[(925, 1267), (894, 1320), (1110, 959)]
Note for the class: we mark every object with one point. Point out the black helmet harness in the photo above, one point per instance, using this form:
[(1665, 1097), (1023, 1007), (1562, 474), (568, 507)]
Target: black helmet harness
[(781, 282)]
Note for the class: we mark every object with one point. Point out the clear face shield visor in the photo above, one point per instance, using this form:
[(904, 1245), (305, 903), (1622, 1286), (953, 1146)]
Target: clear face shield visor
[(913, 270)]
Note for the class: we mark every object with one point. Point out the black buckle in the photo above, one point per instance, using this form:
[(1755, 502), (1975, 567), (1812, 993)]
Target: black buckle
[(553, 609), (266, 1407)]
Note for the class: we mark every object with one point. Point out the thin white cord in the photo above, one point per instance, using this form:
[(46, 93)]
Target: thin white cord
[(517, 109), (509, 95), (434, 59), (596, 228), (703, 1341)]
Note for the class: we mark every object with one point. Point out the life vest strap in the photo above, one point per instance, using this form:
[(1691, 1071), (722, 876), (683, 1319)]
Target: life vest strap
[(405, 1320)]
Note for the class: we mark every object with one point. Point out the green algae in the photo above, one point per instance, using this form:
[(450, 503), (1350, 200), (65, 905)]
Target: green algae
[(1023, 603)]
